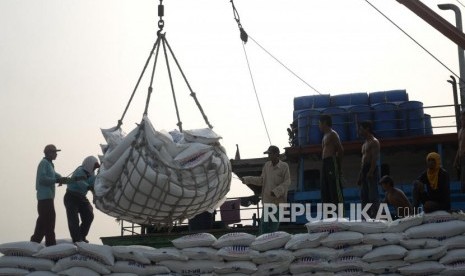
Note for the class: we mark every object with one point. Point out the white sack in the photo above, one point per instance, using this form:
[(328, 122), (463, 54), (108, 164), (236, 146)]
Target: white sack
[(307, 265), (385, 253), (245, 267), (271, 241), (428, 267), (56, 252), (194, 240), (305, 240), (381, 239), (237, 253), (20, 249), (234, 238), (81, 261), (436, 230), (327, 225), (191, 267), (128, 253), (201, 253), (101, 253), (78, 271), (138, 268), (403, 224), (420, 243), (341, 239), (277, 255), (9, 271), (26, 263), (420, 255)]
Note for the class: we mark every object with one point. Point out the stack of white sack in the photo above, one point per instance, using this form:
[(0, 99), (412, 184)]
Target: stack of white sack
[(432, 244), (427, 244), (29, 258), (156, 178)]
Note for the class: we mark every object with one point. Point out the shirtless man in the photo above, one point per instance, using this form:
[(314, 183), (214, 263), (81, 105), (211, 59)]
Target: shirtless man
[(396, 198), (331, 188), (459, 162), (368, 177)]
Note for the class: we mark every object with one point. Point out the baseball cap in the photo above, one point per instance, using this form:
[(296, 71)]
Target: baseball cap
[(50, 148), (272, 149)]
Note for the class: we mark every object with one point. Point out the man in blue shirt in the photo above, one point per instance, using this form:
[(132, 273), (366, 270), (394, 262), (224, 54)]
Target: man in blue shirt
[(45, 187), (76, 202)]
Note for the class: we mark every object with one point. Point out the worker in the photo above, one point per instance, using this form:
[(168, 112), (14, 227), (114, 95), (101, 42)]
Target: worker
[(76, 202), (331, 172), (369, 173), (396, 198), (436, 195), (46, 179), (275, 181)]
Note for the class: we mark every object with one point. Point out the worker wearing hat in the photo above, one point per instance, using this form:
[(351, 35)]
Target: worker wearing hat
[(275, 181), (45, 187)]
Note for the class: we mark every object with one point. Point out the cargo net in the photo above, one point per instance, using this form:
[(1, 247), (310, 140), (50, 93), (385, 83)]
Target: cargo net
[(157, 178)]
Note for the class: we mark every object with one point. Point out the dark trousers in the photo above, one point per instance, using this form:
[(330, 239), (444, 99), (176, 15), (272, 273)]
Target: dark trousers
[(331, 188), (45, 224), (78, 205), (369, 190)]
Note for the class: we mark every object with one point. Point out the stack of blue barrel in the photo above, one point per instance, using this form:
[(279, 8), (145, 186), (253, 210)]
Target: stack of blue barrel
[(391, 112)]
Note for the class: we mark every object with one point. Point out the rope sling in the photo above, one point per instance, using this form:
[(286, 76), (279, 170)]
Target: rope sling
[(157, 178)]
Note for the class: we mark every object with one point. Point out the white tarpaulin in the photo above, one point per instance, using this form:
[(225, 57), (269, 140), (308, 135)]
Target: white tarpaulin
[(157, 178)]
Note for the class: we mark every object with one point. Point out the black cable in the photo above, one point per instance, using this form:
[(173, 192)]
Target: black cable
[(256, 95), (418, 43), (460, 3), (287, 68)]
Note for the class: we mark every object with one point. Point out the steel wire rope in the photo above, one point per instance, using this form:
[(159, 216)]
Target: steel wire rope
[(244, 38), (460, 3), (256, 94), (414, 40), (286, 67)]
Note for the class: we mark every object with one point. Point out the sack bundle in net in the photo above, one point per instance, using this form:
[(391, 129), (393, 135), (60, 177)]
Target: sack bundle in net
[(157, 178)]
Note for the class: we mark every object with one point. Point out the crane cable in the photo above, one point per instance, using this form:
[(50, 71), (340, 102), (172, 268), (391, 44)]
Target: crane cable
[(282, 64), (414, 40), (244, 38), (460, 3)]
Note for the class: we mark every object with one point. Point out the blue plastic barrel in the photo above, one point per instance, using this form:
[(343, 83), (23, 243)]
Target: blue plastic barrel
[(308, 132), (349, 99), (388, 96), (313, 101), (428, 125), (358, 114), (339, 118), (295, 115), (385, 120), (412, 122)]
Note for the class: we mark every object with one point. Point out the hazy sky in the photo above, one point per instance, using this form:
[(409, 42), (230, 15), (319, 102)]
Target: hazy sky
[(68, 68)]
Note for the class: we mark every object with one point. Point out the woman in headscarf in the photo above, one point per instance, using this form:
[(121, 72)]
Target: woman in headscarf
[(436, 195), (76, 202)]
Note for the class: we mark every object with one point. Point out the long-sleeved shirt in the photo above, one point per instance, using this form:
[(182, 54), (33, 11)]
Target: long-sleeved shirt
[(81, 186), (441, 195), (46, 179), (275, 181)]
